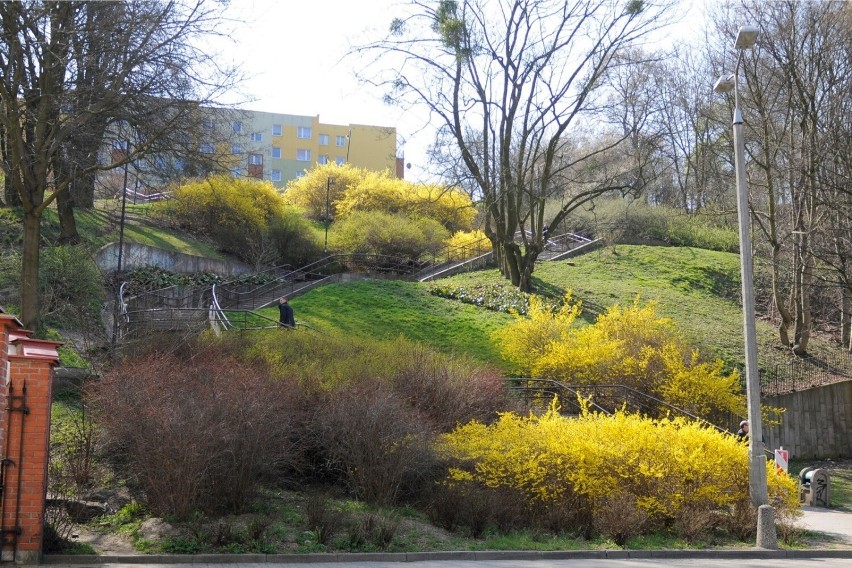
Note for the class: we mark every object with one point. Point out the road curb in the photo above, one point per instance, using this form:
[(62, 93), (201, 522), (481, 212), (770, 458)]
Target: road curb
[(481, 555)]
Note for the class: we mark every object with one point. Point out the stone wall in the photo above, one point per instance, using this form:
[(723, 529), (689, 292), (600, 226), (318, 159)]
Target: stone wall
[(138, 255), (817, 423)]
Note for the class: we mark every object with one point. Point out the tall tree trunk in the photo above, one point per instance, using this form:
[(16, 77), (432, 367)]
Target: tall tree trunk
[(29, 270), (845, 317), (802, 335), (68, 225)]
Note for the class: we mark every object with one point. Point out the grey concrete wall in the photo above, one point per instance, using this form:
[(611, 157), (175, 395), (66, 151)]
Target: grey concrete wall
[(137, 256), (817, 422)]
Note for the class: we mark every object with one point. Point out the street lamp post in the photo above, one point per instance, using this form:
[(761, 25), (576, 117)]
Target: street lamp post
[(766, 535), (117, 300), (328, 185), (123, 208)]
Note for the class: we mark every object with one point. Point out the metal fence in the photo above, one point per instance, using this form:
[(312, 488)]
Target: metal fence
[(800, 373)]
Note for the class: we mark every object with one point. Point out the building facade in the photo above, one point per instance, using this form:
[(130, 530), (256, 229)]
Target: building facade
[(263, 145), (282, 147)]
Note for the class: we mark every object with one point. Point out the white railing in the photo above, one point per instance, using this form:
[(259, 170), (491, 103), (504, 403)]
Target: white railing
[(218, 319)]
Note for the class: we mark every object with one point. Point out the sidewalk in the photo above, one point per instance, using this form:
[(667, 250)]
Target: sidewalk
[(835, 523)]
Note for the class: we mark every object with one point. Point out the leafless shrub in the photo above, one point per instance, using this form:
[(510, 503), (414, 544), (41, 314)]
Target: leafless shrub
[(379, 444), (475, 508), (694, 522), (619, 518), (741, 520), (374, 530), (449, 391), (322, 518), (196, 434)]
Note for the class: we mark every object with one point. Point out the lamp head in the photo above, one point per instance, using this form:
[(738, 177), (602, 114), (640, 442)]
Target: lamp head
[(746, 37), (724, 84)]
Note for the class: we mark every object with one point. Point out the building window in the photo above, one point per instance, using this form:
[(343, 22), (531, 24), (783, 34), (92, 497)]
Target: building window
[(340, 141), (120, 144), (235, 171), (236, 149), (256, 137), (276, 152), (303, 132), (276, 130), (256, 159), (237, 126), (275, 175), (207, 124), (207, 148), (323, 139), (300, 175), (340, 161), (322, 159), (303, 155)]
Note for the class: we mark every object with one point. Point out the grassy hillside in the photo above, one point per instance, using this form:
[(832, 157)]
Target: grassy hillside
[(698, 289), (100, 226), (386, 309)]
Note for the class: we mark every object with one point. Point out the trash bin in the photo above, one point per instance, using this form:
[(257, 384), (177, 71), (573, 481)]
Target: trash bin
[(814, 487)]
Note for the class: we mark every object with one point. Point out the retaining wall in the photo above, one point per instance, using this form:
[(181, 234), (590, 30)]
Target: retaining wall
[(137, 255), (817, 423)]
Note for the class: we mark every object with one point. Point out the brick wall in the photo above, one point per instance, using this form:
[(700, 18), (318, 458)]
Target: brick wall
[(24, 438)]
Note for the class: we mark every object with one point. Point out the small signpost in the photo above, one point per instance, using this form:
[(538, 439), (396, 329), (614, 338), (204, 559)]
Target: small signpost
[(782, 459)]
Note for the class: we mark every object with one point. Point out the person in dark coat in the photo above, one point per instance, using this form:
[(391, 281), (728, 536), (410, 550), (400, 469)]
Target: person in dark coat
[(285, 313), (742, 433)]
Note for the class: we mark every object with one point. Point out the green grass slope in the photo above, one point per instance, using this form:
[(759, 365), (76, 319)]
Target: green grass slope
[(387, 309), (100, 226), (698, 289)]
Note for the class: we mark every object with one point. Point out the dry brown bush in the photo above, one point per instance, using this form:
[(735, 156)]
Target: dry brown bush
[(379, 444), (196, 434), (449, 391), (619, 518)]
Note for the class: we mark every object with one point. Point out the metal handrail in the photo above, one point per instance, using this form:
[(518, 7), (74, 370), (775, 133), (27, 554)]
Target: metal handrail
[(218, 315), (122, 308), (553, 386)]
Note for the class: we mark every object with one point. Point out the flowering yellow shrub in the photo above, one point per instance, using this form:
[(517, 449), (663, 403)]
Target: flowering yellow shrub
[(381, 191), (312, 192), (667, 465), (463, 243), (529, 339), (630, 346)]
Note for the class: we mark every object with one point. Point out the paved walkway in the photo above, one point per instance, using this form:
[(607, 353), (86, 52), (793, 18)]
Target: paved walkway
[(835, 523)]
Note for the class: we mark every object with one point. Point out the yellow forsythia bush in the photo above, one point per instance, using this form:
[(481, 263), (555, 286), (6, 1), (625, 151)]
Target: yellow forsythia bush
[(346, 190), (631, 346), (531, 337), (666, 465), (464, 244)]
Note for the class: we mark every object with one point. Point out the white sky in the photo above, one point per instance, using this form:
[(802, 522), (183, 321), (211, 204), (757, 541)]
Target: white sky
[(291, 52)]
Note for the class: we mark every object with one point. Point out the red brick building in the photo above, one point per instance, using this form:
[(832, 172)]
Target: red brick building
[(26, 377)]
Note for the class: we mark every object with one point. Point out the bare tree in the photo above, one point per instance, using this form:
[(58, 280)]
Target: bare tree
[(802, 61), (517, 88), (70, 70)]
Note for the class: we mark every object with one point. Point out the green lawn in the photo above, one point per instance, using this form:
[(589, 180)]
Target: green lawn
[(387, 309), (100, 226), (698, 289)]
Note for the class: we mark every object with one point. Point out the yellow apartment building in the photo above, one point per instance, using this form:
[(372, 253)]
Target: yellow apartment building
[(282, 147)]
